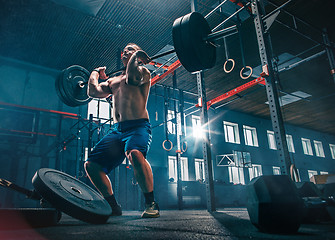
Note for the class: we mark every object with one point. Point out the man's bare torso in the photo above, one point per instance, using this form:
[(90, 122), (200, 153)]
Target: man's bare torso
[(129, 102)]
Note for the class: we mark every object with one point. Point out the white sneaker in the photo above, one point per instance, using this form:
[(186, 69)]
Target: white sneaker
[(151, 211)]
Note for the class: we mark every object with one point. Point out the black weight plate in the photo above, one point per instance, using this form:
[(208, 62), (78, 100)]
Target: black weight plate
[(196, 29), (195, 52), (60, 91), (71, 196), (184, 59), (19, 218), (72, 76)]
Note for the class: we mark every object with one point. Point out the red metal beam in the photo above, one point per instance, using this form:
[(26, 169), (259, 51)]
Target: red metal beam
[(235, 91), (40, 109), (28, 132), (170, 69)]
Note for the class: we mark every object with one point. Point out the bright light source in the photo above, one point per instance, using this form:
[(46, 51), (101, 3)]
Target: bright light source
[(197, 128)]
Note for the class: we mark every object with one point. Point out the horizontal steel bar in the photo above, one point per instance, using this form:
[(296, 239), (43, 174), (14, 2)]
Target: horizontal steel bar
[(221, 33), (276, 10), (214, 10), (231, 16), (300, 20), (302, 61)]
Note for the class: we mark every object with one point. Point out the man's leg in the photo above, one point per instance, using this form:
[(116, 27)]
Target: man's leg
[(102, 182), (144, 177)]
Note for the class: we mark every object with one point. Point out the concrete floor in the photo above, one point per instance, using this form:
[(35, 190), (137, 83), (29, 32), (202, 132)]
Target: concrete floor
[(228, 223)]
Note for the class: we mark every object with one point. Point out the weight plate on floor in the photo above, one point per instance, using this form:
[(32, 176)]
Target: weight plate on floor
[(193, 51), (71, 196), (19, 218)]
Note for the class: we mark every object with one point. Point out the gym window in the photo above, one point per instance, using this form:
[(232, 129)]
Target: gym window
[(172, 122), (290, 145), (171, 126), (255, 171), (197, 127), (199, 169), (298, 173), (250, 136), (319, 149), (242, 159), (307, 147), (173, 168), (236, 171), (236, 175), (276, 170), (100, 108), (231, 132), (332, 150), (271, 140), (311, 173)]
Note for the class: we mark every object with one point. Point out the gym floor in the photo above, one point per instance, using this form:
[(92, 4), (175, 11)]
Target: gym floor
[(228, 223)]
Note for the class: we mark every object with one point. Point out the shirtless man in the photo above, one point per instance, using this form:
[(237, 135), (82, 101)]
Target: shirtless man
[(131, 136)]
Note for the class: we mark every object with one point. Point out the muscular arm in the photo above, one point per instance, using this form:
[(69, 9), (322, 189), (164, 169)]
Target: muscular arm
[(96, 89), (136, 74)]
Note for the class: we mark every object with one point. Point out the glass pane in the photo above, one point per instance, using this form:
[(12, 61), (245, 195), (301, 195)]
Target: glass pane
[(197, 170), (272, 141), (248, 134), (231, 137), (173, 169)]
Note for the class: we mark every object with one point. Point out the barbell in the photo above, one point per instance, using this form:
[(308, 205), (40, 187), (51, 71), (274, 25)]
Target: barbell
[(193, 44)]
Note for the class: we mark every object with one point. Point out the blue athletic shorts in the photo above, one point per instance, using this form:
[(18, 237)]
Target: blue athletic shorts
[(109, 152)]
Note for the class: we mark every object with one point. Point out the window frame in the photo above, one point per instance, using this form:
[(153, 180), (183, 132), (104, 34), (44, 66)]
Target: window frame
[(201, 164), (332, 150), (274, 169), (319, 152), (103, 107), (311, 173), (235, 129), (308, 149), (272, 144), (252, 174), (184, 168), (290, 144), (253, 135), (236, 175)]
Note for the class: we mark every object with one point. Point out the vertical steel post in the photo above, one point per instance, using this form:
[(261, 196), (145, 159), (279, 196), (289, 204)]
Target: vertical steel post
[(181, 111), (59, 139), (206, 141), (206, 145), (271, 77), (178, 151), (78, 149), (90, 134), (116, 181), (330, 53)]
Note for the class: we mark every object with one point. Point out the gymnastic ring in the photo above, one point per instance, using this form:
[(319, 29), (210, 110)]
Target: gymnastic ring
[(171, 145), (225, 64), (241, 72), (134, 182), (294, 173), (182, 147)]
